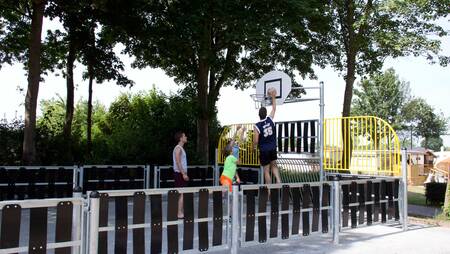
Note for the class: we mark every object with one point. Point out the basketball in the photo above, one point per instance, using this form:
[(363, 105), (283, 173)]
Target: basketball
[(272, 91)]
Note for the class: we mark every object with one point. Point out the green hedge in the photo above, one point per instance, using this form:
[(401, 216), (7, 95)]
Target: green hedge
[(435, 193)]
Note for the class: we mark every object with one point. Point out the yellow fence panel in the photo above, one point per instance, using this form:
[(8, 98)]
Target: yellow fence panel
[(361, 145), (243, 133)]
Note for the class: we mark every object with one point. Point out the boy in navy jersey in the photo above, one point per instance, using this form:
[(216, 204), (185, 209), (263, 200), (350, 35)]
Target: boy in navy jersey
[(265, 137)]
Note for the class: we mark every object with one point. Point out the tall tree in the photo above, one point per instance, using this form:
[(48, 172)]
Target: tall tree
[(73, 16), (424, 121), (220, 43), (366, 32), (34, 76), (93, 49), (102, 65), (20, 41), (382, 95)]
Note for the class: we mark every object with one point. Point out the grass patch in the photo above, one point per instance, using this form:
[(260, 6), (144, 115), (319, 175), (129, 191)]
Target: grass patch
[(416, 195)]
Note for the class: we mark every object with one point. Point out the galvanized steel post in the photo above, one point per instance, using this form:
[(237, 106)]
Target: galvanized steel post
[(75, 176), (146, 177), (81, 177), (261, 175), (77, 219), (94, 209), (321, 124), (216, 169), (336, 210), (235, 213), (404, 193), (156, 177)]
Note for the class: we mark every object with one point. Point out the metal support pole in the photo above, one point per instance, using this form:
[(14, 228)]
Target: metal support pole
[(81, 178), (404, 193), (77, 218), (156, 177), (235, 213), (75, 177), (147, 177), (94, 222), (322, 143), (216, 169), (261, 175), (336, 210)]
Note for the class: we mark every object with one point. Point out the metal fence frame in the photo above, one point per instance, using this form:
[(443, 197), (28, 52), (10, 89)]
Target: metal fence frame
[(86, 211), (243, 188), (77, 223), (94, 204)]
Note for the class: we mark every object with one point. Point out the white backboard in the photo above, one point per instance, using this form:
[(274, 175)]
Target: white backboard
[(278, 80)]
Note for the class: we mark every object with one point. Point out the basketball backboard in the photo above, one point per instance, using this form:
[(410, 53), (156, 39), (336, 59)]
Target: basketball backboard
[(276, 79)]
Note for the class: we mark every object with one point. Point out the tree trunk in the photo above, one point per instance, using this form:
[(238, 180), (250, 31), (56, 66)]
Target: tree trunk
[(91, 81), (69, 100), (351, 50), (203, 116), (34, 71), (89, 112)]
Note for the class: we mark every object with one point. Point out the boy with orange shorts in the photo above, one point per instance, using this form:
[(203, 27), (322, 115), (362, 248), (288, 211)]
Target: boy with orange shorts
[(230, 167)]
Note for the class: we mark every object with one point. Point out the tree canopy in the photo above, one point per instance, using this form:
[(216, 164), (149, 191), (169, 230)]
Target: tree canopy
[(425, 122), (386, 96), (220, 43), (366, 32), (382, 95)]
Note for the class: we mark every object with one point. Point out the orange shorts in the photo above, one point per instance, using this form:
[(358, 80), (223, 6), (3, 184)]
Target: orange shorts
[(226, 181)]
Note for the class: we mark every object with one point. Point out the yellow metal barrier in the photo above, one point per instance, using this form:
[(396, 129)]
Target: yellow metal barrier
[(361, 145), (247, 155), (357, 145)]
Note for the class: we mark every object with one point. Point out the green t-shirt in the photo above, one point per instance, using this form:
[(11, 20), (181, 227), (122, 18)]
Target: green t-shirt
[(229, 168)]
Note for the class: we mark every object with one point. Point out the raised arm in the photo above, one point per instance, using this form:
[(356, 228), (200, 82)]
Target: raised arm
[(255, 137), (274, 105)]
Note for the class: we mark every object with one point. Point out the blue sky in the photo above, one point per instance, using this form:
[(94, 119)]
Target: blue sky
[(431, 82)]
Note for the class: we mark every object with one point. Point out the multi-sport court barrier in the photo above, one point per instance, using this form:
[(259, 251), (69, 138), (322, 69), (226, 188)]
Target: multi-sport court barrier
[(145, 220), (132, 208)]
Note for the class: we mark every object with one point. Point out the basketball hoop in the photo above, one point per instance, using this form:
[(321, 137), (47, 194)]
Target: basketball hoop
[(260, 100)]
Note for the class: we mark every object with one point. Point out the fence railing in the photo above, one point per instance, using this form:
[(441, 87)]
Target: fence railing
[(361, 145), (285, 203), (146, 220), (115, 177), (205, 208), (299, 137), (18, 182), (50, 224)]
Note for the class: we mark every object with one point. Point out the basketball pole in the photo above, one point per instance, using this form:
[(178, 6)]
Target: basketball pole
[(321, 124)]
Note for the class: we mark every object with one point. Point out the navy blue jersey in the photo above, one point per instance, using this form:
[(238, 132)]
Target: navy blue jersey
[(267, 134)]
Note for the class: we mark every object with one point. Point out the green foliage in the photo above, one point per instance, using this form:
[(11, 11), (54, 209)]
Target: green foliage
[(424, 121), (220, 43), (15, 28), (137, 129), (11, 135), (145, 123), (162, 34), (374, 30), (365, 33), (382, 95), (433, 143), (386, 96)]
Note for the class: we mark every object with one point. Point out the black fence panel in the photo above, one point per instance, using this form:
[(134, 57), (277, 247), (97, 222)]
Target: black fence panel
[(19, 183)]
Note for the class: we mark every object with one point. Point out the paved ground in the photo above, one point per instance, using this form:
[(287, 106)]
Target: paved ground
[(378, 239)]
